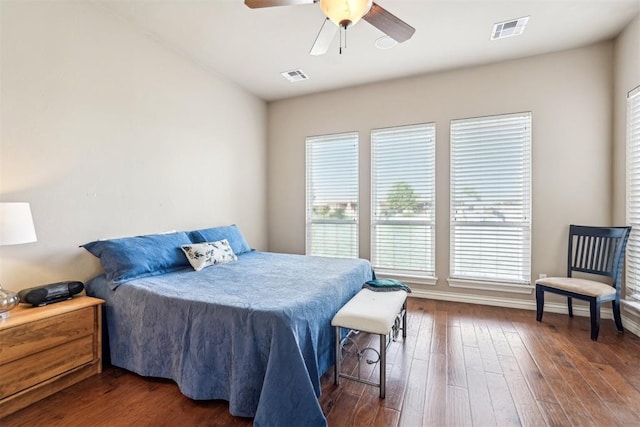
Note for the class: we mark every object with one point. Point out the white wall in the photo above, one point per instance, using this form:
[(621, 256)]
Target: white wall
[(569, 94), (109, 134)]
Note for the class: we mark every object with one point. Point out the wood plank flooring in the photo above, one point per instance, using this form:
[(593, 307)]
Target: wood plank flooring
[(460, 365)]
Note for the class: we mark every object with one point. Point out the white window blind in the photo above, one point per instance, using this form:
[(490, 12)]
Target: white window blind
[(632, 281), (402, 199), (332, 195), (491, 198)]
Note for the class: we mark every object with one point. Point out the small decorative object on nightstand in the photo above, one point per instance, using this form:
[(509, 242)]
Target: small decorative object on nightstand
[(16, 226)]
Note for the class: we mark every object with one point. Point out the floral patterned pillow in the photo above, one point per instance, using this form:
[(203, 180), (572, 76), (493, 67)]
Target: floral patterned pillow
[(201, 255)]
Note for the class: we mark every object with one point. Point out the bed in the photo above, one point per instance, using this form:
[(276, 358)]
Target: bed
[(255, 332)]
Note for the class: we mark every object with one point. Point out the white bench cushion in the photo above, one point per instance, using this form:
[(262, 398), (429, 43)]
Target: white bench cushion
[(370, 311)]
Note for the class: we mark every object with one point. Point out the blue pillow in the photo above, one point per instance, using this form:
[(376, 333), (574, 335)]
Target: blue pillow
[(143, 256), (230, 232)]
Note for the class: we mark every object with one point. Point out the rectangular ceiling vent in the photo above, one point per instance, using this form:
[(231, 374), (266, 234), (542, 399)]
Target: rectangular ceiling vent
[(514, 27), (295, 75)]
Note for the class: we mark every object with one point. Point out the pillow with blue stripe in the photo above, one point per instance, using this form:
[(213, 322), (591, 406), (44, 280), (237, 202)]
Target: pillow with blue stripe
[(132, 258)]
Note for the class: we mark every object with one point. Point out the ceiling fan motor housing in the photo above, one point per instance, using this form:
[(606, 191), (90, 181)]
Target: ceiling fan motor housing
[(345, 13)]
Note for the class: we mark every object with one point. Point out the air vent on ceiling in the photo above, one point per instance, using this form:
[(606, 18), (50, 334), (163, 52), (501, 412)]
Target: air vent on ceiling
[(295, 75), (514, 27)]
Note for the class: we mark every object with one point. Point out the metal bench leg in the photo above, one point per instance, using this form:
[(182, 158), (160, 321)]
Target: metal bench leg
[(336, 365), (404, 319), (383, 365)]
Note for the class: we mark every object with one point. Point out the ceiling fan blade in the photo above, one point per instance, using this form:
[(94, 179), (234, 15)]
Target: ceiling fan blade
[(389, 24), (326, 35), (256, 4)]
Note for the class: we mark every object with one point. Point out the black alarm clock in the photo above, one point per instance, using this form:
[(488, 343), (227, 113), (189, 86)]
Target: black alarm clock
[(51, 293)]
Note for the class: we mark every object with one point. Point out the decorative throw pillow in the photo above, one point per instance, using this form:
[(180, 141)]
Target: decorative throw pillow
[(201, 255)]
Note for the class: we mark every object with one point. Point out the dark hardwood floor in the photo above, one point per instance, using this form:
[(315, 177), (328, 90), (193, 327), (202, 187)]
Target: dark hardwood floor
[(460, 365)]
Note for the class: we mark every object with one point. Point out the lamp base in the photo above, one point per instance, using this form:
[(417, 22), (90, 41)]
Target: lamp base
[(8, 300)]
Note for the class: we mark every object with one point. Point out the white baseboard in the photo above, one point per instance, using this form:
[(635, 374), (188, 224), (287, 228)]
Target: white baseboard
[(552, 307), (472, 299), (630, 325)]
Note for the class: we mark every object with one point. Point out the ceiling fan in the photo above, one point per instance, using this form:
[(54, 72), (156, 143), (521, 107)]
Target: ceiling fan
[(344, 14)]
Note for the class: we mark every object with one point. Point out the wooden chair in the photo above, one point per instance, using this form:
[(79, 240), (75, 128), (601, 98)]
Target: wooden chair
[(593, 250)]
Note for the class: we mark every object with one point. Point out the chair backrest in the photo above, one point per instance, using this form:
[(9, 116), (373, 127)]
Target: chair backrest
[(597, 250)]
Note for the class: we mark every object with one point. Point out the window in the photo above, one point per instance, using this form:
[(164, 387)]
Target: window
[(332, 195), (633, 195), (491, 198), (402, 199)]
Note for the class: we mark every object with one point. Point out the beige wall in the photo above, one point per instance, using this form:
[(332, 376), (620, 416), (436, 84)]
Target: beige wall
[(109, 134), (626, 77), (569, 94)]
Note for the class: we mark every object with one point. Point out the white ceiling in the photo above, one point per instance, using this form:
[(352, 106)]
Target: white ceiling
[(253, 46)]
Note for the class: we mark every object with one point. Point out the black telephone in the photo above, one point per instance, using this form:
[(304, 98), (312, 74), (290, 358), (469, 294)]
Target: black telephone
[(51, 293)]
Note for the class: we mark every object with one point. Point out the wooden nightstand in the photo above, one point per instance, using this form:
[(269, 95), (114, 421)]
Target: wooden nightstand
[(45, 349)]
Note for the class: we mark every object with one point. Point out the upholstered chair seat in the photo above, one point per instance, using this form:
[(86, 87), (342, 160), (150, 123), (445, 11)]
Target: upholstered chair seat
[(580, 286)]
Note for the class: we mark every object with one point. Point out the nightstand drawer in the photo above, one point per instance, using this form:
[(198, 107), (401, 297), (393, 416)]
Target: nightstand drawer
[(46, 349), (31, 338), (37, 367)]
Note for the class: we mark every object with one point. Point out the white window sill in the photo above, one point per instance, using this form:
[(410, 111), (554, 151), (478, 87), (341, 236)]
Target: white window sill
[(404, 277), (490, 286)]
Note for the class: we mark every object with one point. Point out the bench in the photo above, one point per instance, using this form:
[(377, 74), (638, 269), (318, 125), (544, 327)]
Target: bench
[(380, 313)]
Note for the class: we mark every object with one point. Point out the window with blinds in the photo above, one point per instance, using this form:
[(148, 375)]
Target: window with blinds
[(332, 195), (403, 199), (632, 280), (491, 198)]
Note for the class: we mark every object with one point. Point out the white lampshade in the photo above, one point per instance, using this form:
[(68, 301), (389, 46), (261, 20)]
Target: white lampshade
[(345, 13), (16, 224)]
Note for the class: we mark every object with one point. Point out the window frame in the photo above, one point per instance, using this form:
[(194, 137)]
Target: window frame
[(520, 284), (632, 215), (309, 220), (427, 275)]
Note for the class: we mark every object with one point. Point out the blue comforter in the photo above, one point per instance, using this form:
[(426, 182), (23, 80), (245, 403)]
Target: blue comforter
[(256, 333)]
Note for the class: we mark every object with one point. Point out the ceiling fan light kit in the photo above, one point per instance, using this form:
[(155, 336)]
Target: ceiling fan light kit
[(344, 14)]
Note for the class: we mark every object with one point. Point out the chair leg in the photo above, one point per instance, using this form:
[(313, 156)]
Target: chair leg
[(594, 306), (616, 315), (539, 303), (570, 305)]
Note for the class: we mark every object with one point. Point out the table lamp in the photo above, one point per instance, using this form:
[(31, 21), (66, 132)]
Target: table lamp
[(16, 227)]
